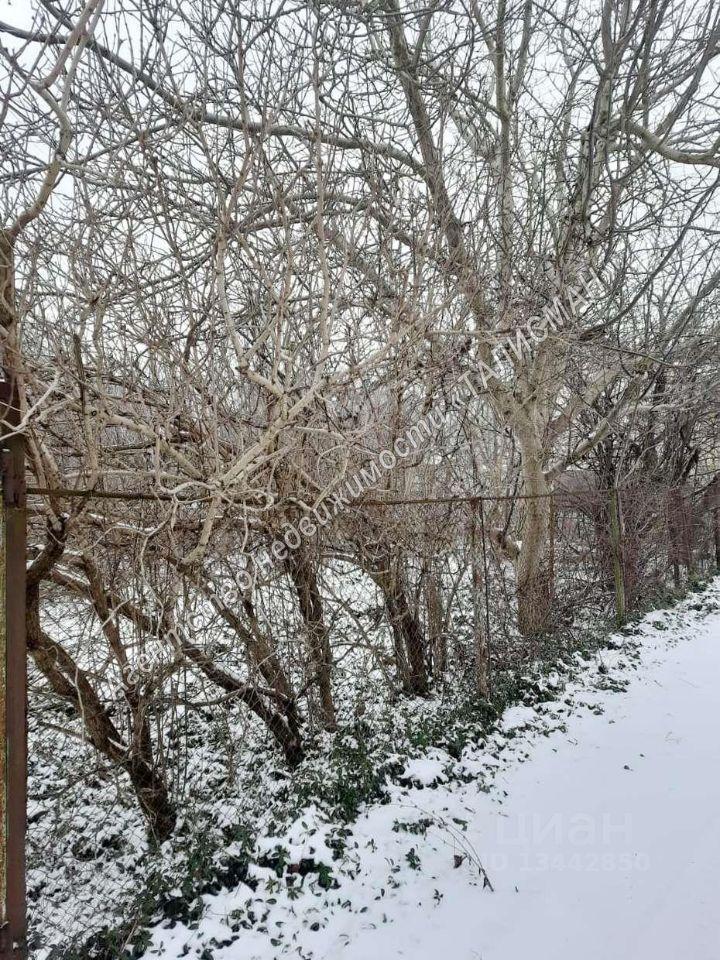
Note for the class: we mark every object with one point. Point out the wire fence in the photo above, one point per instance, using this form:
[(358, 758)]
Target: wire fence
[(418, 594), (617, 547), (606, 550)]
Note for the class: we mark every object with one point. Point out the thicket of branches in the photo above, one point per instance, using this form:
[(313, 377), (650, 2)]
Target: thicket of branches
[(254, 244)]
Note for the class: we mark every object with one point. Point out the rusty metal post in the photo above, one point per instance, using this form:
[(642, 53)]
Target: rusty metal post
[(551, 548), (13, 670), (13, 687)]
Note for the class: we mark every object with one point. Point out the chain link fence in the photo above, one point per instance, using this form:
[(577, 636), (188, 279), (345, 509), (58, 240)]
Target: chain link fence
[(393, 597)]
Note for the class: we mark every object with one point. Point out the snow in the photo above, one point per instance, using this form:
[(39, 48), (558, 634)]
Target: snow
[(428, 769), (607, 845), (515, 718), (303, 840), (597, 821)]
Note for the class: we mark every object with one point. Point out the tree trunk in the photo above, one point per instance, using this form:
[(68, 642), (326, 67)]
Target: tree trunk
[(533, 565), (407, 631), (616, 553), (153, 797), (283, 722), (285, 735), (437, 638), (479, 586), (263, 657), (71, 683), (304, 579)]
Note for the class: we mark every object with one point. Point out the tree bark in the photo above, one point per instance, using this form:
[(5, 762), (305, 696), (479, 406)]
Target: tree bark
[(437, 638), (407, 631), (305, 582), (286, 737), (533, 566), (71, 683)]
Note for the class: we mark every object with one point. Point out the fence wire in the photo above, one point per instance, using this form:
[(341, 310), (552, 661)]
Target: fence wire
[(394, 596)]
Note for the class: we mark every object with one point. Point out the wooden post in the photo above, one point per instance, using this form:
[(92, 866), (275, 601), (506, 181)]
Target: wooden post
[(617, 558), (13, 671)]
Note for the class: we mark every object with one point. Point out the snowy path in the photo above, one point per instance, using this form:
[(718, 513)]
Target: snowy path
[(604, 843), (607, 861)]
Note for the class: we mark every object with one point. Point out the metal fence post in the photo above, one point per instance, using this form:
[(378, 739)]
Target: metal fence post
[(551, 547), (13, 668), (715, 513)]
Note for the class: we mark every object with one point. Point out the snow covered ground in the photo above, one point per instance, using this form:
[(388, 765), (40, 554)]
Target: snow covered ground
[(595, 815)]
